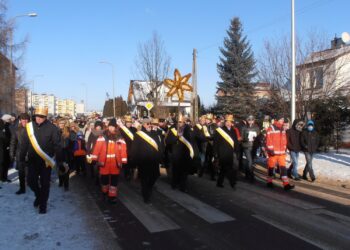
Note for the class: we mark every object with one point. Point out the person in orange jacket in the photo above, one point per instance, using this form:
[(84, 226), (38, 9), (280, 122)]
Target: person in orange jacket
[(276, 145), (110, 154), (79, 154)]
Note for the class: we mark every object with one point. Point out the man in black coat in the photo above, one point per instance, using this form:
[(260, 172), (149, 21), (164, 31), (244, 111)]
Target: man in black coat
[(5, 161), (294, 147), (209, 129), (226, 150), (128, 133), (145, 152), (39, 170), (309, 142), (184, 151), (16, 139)]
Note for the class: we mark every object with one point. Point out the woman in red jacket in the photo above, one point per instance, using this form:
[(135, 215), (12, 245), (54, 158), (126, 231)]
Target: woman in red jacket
[(110, 154)]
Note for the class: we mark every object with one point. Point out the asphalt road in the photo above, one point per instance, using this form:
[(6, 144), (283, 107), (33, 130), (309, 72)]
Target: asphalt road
[(251, 216)]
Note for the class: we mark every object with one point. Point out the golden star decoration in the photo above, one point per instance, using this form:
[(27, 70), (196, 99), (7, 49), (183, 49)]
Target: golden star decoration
[(179, 85)]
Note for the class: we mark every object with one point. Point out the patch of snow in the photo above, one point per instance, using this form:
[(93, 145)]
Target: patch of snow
[(63, 226)]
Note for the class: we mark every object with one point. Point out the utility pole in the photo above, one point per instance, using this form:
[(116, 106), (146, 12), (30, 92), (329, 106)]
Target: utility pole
[(292, 101), (194, 85)]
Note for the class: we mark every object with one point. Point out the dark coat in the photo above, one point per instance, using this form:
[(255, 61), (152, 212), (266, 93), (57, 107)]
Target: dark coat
[(5, 138), (293, 137), (49, 140), (16, 139), (127, 139), (309, 141), (142, 153), (223, 149), (200, 138)]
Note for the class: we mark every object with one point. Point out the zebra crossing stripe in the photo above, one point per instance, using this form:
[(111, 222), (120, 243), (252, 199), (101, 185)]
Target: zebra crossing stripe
[(197, 207), (152, 219)]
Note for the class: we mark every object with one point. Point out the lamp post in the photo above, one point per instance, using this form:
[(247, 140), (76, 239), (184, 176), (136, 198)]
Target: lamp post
[(112, 66), (85, 101), (12, 21), (31, 96), (292, 101)]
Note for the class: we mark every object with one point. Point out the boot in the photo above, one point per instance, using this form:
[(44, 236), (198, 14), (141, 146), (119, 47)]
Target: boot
[(36, 202), (20, 191), (269, 185), (42, 210), (288, 187)]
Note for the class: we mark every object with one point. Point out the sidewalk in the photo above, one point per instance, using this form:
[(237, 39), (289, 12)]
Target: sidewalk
[(73, 220)]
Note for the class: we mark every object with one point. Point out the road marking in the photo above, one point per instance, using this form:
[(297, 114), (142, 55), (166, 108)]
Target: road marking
[(197, 207), (154, 220), (340, 217), (325, 196), (285, 198), (288, 230)]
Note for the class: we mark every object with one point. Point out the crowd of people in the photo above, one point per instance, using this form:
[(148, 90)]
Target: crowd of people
[(135, 147)]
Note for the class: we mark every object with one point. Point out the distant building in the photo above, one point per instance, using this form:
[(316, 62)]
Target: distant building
[(80, 108), (65, 107), (7, 85), (42, 100), (141, 92), (261, 90), (326, 71)]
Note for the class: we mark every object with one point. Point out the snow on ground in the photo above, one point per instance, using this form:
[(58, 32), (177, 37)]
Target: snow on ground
[(64, 226), (329, 167)]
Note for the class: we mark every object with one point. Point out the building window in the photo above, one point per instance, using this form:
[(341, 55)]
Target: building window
[(316, 78)]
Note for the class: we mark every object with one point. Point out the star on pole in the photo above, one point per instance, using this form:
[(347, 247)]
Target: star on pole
[(179, 85)]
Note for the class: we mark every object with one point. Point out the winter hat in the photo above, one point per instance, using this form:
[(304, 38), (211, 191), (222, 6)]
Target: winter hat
[(310, 123), (112, 122), (98, 124), (6, 118)]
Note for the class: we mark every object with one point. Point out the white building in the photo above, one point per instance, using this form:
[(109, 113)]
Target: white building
[(42, 100), (66, 107), (80, 108)]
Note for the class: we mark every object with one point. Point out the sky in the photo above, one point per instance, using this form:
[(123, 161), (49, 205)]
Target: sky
[(68, 38)]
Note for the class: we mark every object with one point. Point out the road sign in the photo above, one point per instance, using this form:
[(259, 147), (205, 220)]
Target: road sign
[(149, 106)]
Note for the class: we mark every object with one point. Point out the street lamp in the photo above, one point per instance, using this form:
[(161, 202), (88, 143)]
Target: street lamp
[(85, 102), (105, 62), (292, 101), (11, 21), (31, 96)]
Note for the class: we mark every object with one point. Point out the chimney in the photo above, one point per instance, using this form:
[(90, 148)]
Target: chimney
[(337, 43)]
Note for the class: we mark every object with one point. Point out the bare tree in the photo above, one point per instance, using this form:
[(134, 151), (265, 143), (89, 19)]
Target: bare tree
[(153, 65), (320, 71)]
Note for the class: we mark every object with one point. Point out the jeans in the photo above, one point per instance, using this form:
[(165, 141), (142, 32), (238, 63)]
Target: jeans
[(308, 168), (294, 167), (249, 156)]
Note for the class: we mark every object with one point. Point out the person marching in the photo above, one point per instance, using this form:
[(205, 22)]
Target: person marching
[(225, 150), (201, 141), (309, 143), (79, 154), (209, 130), (146, 155), (16, 139), (110, 153), (128, 133), (67, 153), (276, 146), (184, 151), (41, 143), (249, 134)]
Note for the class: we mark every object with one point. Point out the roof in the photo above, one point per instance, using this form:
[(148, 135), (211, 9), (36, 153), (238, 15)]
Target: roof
[(327, 54)]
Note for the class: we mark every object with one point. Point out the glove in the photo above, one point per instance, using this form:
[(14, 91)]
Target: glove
[(271, 152)]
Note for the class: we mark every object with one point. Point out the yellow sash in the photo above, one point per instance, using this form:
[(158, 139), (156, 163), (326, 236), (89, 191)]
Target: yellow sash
[(205, 130), (127, 132), (225, 136), (199, 126), (184, 141), (48, 160), (148, 139)]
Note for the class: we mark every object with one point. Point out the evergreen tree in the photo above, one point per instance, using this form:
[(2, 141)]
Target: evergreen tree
[(236, 69)]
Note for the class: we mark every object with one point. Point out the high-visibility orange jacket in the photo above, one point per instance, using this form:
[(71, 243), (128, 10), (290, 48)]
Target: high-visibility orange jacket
[(276, 140), (110, 155), (79, 148)]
